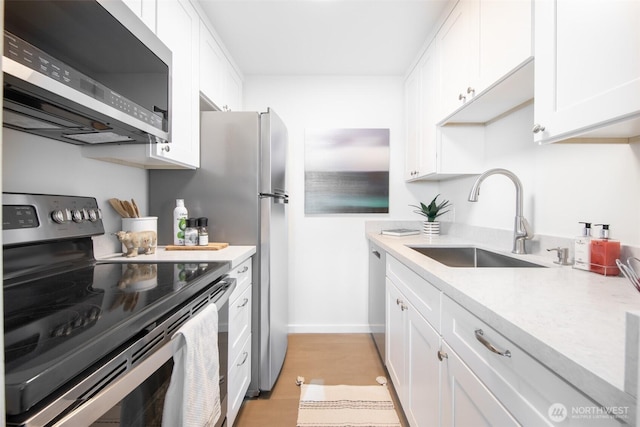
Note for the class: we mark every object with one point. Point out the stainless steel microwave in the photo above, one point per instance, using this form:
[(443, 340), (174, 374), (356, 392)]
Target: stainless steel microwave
[(84, 72)]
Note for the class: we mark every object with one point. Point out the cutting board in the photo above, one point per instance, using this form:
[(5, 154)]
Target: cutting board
[(210, 247)]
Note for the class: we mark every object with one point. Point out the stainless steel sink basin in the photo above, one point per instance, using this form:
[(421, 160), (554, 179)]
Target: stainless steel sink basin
[(471, 257)]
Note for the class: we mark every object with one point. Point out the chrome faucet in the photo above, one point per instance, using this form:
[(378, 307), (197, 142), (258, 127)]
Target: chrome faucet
[(522, 230)]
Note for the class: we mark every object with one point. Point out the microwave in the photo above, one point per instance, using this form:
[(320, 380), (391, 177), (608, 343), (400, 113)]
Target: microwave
[(84, 72)]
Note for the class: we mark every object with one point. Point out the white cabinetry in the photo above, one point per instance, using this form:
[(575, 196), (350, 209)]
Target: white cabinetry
[(486, 59), (465, 400), (433, 152), (412, 345), (145, 10), (452, 369), (220, 84), (525, 387), (239, 374), (178, 27), (587, 78)]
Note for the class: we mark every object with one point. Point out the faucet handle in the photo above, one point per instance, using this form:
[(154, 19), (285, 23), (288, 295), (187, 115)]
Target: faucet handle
[(528, 232), (563, 255)]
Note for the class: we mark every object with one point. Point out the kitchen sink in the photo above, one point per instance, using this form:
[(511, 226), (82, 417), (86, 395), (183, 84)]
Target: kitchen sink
[(472, 257)]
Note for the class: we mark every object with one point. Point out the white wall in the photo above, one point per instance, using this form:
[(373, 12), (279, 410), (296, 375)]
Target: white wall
[(563, 183), (328, 254), (31, 164)]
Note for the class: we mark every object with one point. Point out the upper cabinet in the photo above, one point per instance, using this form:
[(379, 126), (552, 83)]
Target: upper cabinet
[(220, 84), (486, 59), (146, 11), (433, 152), (179, 29), (587, 80)]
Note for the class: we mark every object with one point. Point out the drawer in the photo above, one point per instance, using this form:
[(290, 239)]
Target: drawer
[(239, 378), (242, 274), (239, 321), (522, 384), (423, 295)]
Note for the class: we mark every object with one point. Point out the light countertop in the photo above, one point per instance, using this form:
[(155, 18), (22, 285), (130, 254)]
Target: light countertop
[(572, 321), (233, 254)]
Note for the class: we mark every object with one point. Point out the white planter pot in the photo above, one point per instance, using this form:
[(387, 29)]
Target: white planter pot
[(431, 228)]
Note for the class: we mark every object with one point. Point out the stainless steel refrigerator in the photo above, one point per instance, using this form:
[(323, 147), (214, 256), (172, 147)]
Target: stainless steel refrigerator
[(241, 188)]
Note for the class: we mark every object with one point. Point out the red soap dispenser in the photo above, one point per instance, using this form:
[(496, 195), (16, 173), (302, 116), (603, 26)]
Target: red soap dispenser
[(604, 252)]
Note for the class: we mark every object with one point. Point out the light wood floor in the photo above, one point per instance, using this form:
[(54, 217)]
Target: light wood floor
[(329, 359)]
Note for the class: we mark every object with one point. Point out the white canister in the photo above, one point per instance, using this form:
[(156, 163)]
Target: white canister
[(145, 223)]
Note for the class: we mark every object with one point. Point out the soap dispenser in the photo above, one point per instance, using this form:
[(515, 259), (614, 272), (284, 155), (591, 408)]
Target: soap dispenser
[(582, 248), (604, 253)]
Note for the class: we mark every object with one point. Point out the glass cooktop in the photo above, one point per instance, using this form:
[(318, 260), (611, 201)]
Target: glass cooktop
[(58, 326)]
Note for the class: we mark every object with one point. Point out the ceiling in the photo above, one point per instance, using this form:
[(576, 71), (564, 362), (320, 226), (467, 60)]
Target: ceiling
[(323, 37)]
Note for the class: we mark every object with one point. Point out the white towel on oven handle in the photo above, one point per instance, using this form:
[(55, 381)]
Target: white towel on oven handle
[(193, 396)]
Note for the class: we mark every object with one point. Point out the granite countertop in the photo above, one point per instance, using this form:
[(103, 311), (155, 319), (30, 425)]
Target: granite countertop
[(572, 321), (233, 254)]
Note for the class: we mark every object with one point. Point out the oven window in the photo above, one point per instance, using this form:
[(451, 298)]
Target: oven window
[(143, 406)]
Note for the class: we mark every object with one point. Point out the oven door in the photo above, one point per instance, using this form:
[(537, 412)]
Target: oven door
[(137, 399)]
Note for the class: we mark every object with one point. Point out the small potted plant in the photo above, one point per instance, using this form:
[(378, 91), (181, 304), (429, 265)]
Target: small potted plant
[(432, 211)]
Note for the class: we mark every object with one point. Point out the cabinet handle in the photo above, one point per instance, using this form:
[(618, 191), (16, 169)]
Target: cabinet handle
[(246, 355), (376, 253), (442, 355), (166, 148), (471, 91), (399, 301), (403, 307), (244, 270), (480, 337), (462, 98), (537, 128), (244, 303)]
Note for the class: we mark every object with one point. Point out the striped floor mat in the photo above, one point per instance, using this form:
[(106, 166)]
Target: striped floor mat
[(346, 406)]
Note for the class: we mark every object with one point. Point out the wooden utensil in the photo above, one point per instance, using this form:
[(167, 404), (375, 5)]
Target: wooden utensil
[(135, 208), (129, 208), (117, 206)]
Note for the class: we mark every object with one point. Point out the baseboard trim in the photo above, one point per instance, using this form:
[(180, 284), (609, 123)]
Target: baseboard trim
[(329, 329)]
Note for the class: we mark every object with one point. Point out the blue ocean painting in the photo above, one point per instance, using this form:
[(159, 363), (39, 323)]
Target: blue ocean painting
[(347, 171)]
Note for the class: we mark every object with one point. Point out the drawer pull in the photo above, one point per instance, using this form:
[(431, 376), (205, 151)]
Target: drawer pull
[(244, 303), (244, 270), (442, 355), (480, 337), (246, 355), (399, 301)]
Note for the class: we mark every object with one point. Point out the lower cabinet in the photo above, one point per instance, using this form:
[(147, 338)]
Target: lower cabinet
[(412, 346), (239, 371), (451, 369), (465, 399)]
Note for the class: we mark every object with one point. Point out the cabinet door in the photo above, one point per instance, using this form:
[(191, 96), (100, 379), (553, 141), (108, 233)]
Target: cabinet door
[(146, 10), (395, 338), (587, 69), (430, 111), (458, 44), (465, 400), (212, 67), (505, 38), (412, 98), (232, 89), (422, 403), (179, 28)]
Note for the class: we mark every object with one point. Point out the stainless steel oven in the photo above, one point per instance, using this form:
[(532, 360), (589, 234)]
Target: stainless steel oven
[(86, 340)]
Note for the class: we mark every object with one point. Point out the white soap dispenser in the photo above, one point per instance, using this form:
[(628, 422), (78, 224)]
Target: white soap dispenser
[(582, 248)]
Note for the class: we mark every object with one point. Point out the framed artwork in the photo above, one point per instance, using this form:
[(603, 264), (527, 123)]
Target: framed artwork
[(346, 171)]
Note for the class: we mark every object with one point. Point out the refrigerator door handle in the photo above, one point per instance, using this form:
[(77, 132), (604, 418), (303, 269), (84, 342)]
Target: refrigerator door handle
[(277, 198)]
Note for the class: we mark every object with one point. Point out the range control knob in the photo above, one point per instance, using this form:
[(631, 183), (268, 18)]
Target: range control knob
[(76, 215), (58, 216), (93, 215)]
